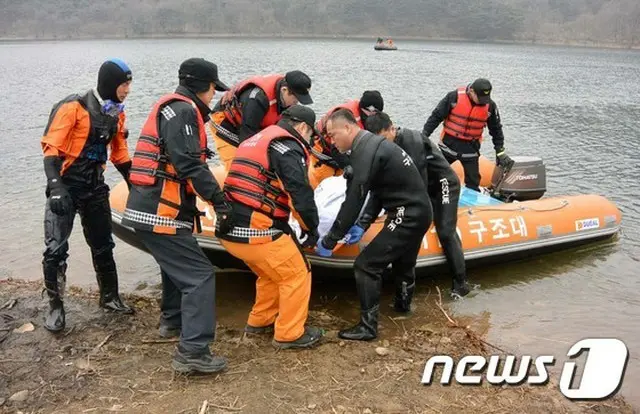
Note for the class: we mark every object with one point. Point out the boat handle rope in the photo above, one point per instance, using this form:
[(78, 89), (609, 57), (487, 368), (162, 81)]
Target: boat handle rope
[(471, 211)]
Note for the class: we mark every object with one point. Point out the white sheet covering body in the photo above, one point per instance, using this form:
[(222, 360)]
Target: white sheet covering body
[(330, 194)]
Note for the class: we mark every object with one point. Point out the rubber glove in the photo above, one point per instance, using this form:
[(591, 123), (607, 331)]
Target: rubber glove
[(309, 238), (503, 159), (224, 218), (59, 199), (355, 234), (323, 251)]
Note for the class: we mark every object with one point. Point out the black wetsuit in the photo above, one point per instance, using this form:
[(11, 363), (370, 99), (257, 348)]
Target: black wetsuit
[(443, 187), (389, 173)]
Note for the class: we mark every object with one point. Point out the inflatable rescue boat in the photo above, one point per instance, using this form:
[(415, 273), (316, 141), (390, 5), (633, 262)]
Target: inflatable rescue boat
[(385, 44), (513, 220)]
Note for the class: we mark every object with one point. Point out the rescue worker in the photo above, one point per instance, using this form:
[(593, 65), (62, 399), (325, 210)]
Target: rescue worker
[(327, 161), (80, 130), (443, 188), (465, 112), (388, 172), (267, 175), (169, 170), (253, 105)]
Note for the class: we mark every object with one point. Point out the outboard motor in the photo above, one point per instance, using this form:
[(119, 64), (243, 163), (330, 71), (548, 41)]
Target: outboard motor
[(525, 180)]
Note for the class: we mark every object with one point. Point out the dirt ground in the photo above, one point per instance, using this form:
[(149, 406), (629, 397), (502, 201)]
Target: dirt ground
[(110, 363)]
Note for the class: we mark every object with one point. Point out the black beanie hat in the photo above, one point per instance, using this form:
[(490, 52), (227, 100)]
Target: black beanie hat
[(372, 98), (113, 73)]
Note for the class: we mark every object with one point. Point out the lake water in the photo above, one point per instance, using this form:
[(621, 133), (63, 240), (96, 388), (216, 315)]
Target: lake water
[(578, 109)]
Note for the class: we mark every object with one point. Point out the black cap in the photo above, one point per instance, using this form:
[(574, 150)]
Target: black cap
[(299, 84), (200, 69), (372, 100), (300, 113), (482, 88)]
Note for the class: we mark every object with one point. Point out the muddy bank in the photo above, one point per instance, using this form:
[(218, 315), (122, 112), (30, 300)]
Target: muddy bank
[(109, 363)]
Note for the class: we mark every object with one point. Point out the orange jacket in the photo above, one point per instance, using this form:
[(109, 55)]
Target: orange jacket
[(68, 132)]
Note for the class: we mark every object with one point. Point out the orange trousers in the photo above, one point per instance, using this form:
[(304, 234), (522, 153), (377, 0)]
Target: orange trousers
[(283, 287), (225, 151)]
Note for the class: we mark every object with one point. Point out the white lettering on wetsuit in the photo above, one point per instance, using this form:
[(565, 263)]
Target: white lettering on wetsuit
[(445, 190), (407, 159), (397, 220)]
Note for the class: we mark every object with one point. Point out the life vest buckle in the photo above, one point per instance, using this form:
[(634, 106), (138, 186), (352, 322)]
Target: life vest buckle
[(208, 153), (270, 175)]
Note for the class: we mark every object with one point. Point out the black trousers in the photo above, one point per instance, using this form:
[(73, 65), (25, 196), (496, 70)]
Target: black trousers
[(95, 215), (397, 244), (468, 152), (188, 288), (444, 193)]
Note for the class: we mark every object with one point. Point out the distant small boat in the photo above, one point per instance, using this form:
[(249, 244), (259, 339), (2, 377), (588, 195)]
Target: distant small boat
[(385, 44)]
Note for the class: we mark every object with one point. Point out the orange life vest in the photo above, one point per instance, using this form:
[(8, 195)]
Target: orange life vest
[(353, 106), (251, 181), (466, 120), (324, 142), (149, 159), (231, 105)]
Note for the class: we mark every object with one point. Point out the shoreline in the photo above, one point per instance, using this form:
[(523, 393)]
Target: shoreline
[(114, 362), (162, 36)]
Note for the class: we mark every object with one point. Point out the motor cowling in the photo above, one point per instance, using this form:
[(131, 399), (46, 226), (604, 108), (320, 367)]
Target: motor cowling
[(525, 180)]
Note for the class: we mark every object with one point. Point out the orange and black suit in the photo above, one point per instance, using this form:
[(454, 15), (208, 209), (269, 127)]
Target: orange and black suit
[(267, 175), (75, 143)]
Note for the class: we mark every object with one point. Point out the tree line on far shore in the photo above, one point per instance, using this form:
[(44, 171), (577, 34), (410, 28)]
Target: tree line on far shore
[(604, 22)]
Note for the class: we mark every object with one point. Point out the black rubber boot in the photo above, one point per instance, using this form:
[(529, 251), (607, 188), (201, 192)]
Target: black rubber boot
[(403, 297), (461, 287), (109, 297), (55, 278), (366, 329), (54, 320), (203, 362), (369, 285), (167, 331), (309, 338)]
